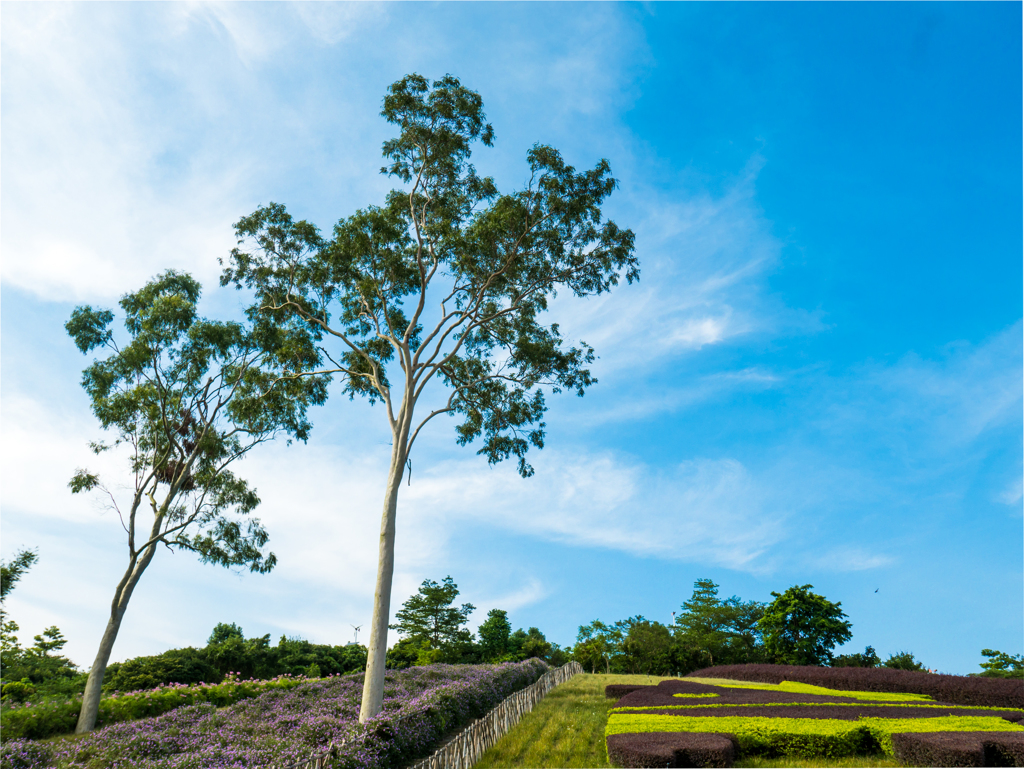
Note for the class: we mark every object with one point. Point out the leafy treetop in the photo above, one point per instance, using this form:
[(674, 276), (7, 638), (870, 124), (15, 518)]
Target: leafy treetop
[(490, 263), (802, 628), (430, 616)]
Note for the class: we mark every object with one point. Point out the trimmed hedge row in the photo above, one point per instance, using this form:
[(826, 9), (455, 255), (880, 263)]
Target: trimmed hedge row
[(794, 687), (845, 711), (615, 691), (960, 749), (806, 737), (668, 749), (791, 719), (665, 694), (961, 690)]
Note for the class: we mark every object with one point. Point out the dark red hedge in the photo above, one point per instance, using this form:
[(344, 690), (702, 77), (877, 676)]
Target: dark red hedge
[(825, 711), (662, 694), (614, 691), (960, 749), (961, 690), (672, 749)]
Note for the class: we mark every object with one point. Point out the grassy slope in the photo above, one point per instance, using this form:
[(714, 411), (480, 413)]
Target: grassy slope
[(566, 731)]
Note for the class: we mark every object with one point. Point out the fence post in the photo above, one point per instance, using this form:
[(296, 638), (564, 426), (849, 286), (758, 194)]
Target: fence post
[(467, 748)]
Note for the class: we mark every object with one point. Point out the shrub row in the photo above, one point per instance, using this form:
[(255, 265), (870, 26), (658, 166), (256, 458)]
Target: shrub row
[(803, 690), (961, 690), (666, 693), (421, 705), (58, 716), (615, 691), (846, 711), (667, 749), (807, 737), (960, 749)]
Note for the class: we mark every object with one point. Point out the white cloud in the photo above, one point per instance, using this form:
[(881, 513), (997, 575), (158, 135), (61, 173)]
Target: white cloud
[(1013, 493), (846, 559), (710, 511)]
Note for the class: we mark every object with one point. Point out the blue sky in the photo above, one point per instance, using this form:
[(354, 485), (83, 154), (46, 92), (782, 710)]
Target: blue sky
[(817, 379)]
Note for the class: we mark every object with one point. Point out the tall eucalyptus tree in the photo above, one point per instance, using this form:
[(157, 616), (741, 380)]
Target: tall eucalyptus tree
[(443, 284), (187, 397)]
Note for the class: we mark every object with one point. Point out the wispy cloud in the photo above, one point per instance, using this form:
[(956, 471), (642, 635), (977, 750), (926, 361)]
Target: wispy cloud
[(711, 511), (851, 559), (705, 261)]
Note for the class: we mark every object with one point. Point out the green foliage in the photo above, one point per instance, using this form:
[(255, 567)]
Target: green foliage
[(235, 655), (39, 668), (710, 631), (801, 628), (498, 260), (531, 643), (495, 634), (647, 649), (869, 659), (18, 691), (189, 396), (596, 643), (180, 666), (223, 631), (1002, 665), (14, 570), (404, 654), (429, 615), (903, 661)]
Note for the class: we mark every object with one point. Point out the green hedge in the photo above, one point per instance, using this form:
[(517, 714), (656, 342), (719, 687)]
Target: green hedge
[(934, 706), (55, 717), (795, 687), (807, 737)]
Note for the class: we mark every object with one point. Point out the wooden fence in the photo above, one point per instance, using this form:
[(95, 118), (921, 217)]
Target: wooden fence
[(471, 743), (466, 748)]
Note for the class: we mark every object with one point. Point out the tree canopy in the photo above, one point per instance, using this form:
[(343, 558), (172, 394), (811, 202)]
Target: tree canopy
[(445, 283), (186, 397), (802, 628), (430, 616)]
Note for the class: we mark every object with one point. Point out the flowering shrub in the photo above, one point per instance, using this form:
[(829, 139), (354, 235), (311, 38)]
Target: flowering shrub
[(285, 724), (59, 716)]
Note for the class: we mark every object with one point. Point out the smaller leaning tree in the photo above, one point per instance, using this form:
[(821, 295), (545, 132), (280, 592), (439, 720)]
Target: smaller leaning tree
[(444, 284), (187, 397)]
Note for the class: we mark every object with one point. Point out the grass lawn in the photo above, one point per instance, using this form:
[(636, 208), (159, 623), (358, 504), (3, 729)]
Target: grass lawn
[(566, 731)]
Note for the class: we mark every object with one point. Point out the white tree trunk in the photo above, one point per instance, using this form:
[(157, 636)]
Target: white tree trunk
[(93, 686), (373, 683)]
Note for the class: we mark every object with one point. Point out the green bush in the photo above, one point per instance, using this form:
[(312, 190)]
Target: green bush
[(869, 659), (18, 691), (903, 661), (1002, 665), (180, 666)]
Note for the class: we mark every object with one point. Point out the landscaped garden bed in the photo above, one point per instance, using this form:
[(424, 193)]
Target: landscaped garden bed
[(711, 722), (421, 706)]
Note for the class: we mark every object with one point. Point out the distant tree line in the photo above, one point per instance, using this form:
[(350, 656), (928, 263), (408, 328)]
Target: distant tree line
[(798, 627), (433, 630)]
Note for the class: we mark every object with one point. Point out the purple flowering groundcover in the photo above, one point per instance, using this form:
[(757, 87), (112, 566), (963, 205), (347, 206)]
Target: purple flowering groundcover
[(421, 705)]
